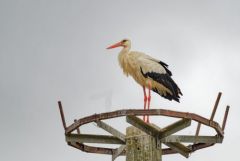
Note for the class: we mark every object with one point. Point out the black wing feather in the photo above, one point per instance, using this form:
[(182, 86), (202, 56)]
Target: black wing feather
[(165, 66), (167, 81)]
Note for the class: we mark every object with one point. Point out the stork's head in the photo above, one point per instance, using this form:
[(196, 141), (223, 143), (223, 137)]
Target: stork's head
[(125, 43)]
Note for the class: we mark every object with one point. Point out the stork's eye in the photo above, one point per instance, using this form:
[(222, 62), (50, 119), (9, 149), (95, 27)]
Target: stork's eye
[(124, 41)]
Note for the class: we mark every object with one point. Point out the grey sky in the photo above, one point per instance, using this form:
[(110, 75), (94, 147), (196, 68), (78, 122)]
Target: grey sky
[(56, 50)]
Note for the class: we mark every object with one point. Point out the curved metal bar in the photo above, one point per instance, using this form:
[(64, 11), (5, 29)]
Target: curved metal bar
[(91, 149), (137, 112)]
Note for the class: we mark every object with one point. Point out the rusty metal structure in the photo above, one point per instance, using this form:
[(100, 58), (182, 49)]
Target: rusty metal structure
[(165, 135)]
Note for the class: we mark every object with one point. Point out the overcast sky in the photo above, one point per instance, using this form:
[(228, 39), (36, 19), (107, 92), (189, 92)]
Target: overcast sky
[(56, 50)]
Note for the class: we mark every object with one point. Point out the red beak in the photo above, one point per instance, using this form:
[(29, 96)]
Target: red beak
[(115, 45)]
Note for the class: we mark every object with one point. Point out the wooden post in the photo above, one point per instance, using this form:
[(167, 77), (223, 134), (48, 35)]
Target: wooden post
[(141, 147)]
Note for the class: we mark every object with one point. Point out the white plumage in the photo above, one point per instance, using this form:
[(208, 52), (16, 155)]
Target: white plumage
[(148, 72)]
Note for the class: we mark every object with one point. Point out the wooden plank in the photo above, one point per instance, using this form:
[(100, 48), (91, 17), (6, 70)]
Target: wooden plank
[(156, 132), (192, 139), (111, 130), (153, 131), (175, 127), (117, 152), (89, 138), (140, 124), (180, 148)]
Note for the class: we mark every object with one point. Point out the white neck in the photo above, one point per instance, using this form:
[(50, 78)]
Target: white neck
[(122, 58), (125, 50), (123, 53)]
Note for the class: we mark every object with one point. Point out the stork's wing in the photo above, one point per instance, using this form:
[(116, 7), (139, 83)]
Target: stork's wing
[(145, 57), (149, 64), (167, 82), (157, 70), (165, 66)]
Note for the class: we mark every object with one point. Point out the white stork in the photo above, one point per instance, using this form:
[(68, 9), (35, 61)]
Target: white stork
[(148, 72)]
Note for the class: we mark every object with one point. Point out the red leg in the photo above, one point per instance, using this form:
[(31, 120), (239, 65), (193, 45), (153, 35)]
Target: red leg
[(145, 102), (149, 97)]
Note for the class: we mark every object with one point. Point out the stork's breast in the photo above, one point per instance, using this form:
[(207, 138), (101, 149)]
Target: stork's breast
[(135, 72)]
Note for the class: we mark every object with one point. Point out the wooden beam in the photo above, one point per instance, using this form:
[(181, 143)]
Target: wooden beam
[(180, 148), (157, 132), (175, 127), (87, 138), (111, 130), (192, 139), (140, 124), (117, 152)]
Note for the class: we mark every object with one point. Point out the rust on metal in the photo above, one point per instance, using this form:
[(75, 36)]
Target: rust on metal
[(109, 115), (199, 146), (198, 130), (91, 138), (62, 115), (174, 141), (109, 151), (215, 105), (78, 130), (136, 112), (90, 149), (193, 147)]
